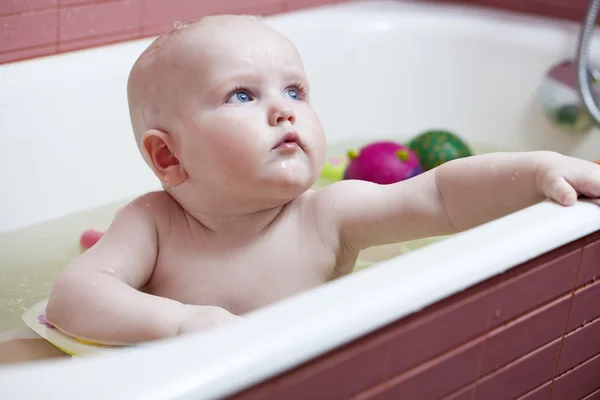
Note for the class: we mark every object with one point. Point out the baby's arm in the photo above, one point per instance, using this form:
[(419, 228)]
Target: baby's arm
[(456, 196), (97, 296)]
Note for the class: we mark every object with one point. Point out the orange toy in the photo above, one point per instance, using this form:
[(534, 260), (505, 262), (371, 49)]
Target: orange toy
[(597, 162)]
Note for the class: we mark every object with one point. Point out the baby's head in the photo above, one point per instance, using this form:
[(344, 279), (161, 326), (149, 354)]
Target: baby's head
[(221, 113)]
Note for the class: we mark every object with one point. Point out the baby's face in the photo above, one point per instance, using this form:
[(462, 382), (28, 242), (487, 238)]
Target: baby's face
[(246, 127)]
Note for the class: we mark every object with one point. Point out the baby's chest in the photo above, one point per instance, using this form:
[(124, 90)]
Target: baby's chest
[(241, 278)]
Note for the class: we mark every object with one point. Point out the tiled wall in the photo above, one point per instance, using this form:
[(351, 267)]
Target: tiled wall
[(570, 9), (31, 28)]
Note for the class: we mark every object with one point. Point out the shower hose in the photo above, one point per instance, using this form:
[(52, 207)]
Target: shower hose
[(584, 77)]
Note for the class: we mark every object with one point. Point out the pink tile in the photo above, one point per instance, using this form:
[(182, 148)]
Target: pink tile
[(249, 6), (79, 22), (275, 7), (19, 6), (27, 30), (18, 55), (299, 4), (71, 2), (160, 15), (98, 41)]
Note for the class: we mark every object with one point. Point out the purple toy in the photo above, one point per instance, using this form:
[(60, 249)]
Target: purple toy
[(383, 163)]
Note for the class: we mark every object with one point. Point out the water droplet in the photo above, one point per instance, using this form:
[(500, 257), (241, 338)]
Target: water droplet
[(177, 24), (497, 313)]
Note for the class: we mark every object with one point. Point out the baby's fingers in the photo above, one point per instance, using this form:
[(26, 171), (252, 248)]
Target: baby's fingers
[(588, 184), (561, 191)]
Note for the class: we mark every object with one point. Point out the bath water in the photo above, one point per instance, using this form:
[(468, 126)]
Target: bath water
[(32, 257)]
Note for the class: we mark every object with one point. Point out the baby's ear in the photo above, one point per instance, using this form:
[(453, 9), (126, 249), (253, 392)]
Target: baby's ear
[(158, 148)]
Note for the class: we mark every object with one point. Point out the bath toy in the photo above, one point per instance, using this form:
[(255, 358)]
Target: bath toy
[(559, 98), (35, 319), (597, 162), (435, 147), (383, 163), (334, 168), (89, 238)]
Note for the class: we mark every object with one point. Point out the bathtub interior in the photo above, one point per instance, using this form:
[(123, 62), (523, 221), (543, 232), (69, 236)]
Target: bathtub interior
[(378, 69)]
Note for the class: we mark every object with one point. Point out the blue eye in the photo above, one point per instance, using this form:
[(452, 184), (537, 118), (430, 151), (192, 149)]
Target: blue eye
[(294, 95), (240, 96)]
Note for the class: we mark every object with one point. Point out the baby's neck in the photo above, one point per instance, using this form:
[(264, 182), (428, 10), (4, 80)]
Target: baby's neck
[(237, 226)]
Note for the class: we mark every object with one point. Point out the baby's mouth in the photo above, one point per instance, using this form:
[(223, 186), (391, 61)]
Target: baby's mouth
[(289, 143)]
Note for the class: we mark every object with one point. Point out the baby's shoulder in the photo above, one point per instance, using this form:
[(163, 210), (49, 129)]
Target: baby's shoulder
[(157, 206)]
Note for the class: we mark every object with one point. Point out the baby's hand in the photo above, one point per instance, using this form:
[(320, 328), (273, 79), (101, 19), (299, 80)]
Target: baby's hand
[(563, 178), (198, 318)]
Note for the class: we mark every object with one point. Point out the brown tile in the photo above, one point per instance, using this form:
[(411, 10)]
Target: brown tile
[(440, 331), (579, 345), (586, 306), (592, 237), (590, 263), (356, 369), (550, 280), (434, 379), (521, 376), (521, 336), (459, 317), (593, 396), (541, 393), (579, 382), (464, 394)]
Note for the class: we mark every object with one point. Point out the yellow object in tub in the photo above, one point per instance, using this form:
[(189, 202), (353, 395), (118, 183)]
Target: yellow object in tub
[(35, 318)]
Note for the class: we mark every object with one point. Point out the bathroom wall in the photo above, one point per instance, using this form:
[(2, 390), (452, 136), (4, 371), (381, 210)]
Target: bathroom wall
[(570, 9), (33, 28)]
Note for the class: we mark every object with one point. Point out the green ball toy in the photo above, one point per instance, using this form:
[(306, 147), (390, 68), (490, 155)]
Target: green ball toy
[(435, 147)]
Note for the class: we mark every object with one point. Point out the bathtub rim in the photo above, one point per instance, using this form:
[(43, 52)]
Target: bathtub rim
[(305, 329)]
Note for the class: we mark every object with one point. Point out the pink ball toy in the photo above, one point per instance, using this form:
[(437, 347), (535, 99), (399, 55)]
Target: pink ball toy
[(89, 238), (383, 163)]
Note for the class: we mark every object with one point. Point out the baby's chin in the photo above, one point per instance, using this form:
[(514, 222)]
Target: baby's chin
[(291, 175)]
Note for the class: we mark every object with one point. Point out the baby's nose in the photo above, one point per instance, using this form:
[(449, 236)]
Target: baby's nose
[(280, 113)]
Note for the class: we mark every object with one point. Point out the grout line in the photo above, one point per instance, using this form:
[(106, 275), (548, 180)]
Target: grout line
[(562, 340), (36, 47), (489, 330), (142, 17), (28, 12), (57, 28)]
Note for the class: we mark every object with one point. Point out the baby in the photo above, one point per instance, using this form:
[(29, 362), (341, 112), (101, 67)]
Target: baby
[(221, 113)]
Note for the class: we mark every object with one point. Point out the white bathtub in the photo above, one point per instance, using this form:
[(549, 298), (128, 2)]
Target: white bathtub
[(378, 68)]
